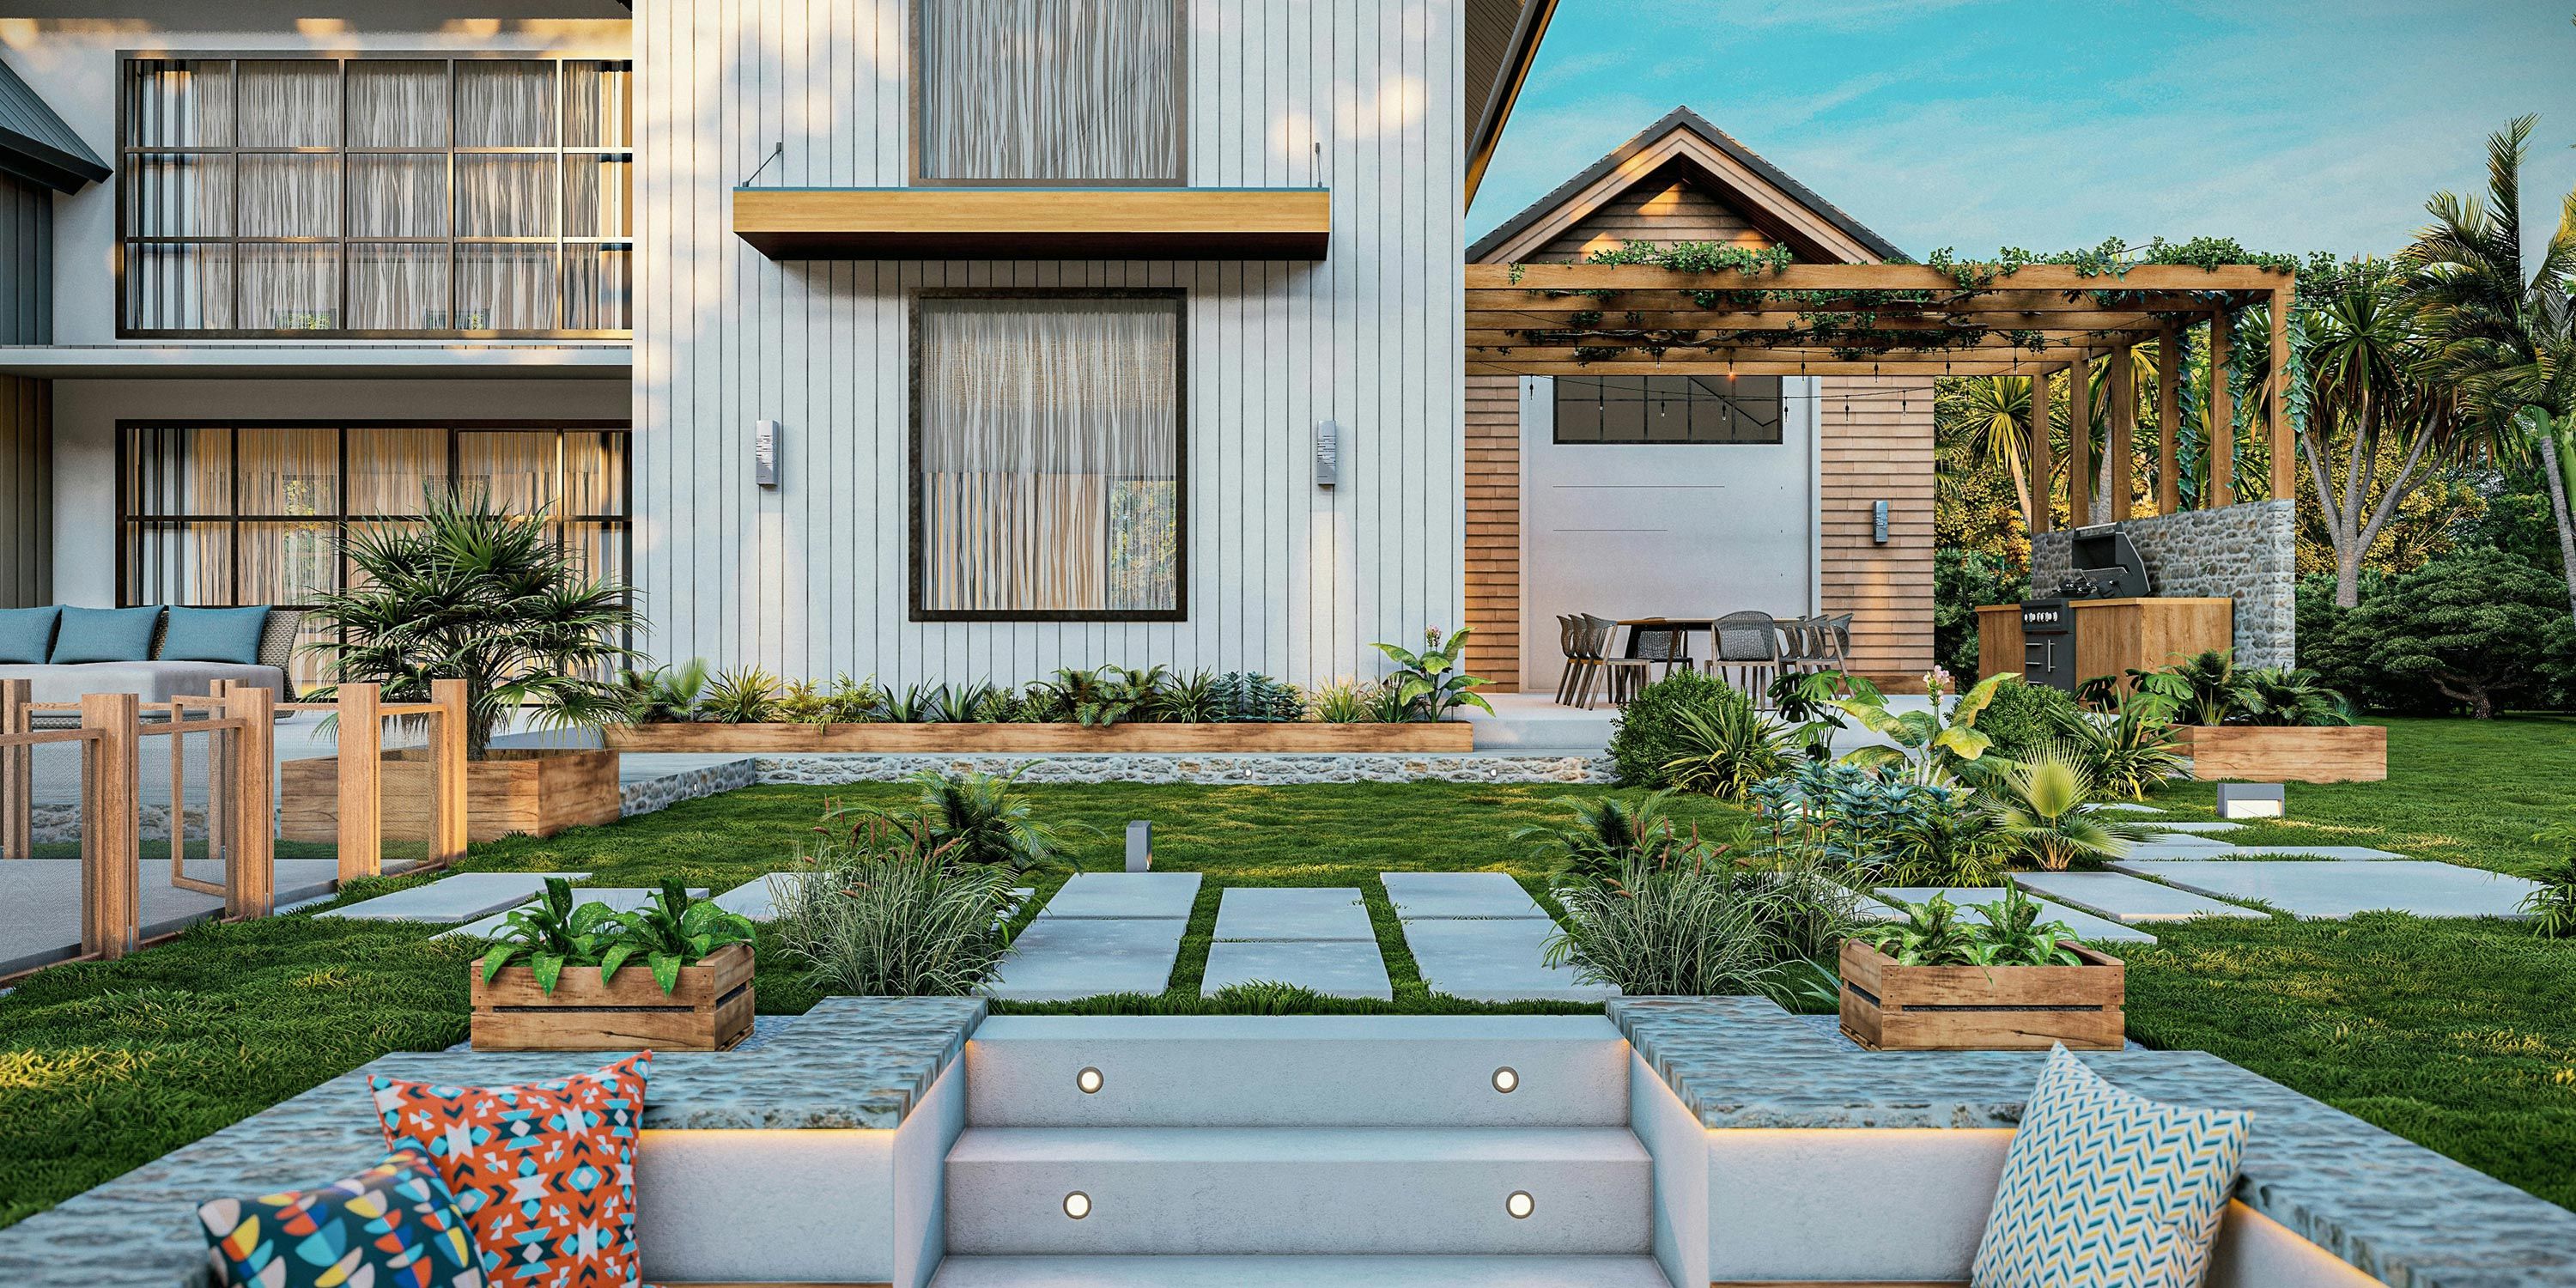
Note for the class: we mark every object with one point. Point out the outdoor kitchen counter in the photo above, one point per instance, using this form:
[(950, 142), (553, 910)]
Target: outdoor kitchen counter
[(2111, 636), (2397, 1211)]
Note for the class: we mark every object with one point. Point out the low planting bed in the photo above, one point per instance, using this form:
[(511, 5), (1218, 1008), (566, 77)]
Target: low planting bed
[(1890, 1007), (1418, 736), (521, 791)]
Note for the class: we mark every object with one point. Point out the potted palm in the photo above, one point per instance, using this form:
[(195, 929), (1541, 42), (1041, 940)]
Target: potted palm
[(468, 591)]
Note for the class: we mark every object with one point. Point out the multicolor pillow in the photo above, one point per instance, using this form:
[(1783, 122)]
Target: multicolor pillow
[(545, 1174), (394, 1225), (2106, 1189)]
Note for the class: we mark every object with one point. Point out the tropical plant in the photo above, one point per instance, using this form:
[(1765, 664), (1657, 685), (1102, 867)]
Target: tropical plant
[(2504, 330), (1724, 748), (1668, 925), (2128, 753), (803, 702), (1929, 933), (1343, 701), (1429, 682), (1609, 833), (1932, 933), (2043, 811), (2552, 903), (2359, 340), (971, 818), (2271, 695), (914, 703), (1987, 419), (1385, 704), (664, 694), (960, 703), (1962, 582), (550, 933), (467, 591), (2021, 717), (852, 701), (671, 932), (1645, 735), (1931, 745), (1251, 698), (1189, 699), (2202, 689), (2013, 934), (742, 695), (1097, 698), (879, 912)]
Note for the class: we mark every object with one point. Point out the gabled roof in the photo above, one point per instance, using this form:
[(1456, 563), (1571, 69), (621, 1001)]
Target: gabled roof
[(35, 143), (1815, 227), (1502, 41)]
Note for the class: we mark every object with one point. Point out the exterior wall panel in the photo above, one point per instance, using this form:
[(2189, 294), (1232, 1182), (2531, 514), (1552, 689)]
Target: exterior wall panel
[(1877, 446), (26, 492), (810, 577), (26, 262)]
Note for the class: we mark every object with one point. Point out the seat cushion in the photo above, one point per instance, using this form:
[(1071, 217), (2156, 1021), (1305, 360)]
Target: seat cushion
[(27, 634), (214, 635), (2106, 1189), (150, 681), (104, 635), (395, 1223), (543, 1173)]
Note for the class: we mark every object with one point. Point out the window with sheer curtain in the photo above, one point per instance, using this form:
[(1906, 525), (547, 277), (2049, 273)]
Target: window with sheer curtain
[(376, 196), (1047, 481), (1049, 92), (218, 515)]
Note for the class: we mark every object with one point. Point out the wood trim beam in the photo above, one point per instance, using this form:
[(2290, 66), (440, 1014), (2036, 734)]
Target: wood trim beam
[(2168, 419), (2219, 443), (2285, 448), (1025, 223), (1490, 318), (2079, 443), (1758, 366), (1870, 277), (360, 787), (2123, 393), (2042, 458), (1682, 298)]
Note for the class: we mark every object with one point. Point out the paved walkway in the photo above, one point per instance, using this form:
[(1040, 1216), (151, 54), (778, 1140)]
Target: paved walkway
[(456, 898), (1479, 936), (1102, 933), (40, 903), (2334, 889), (1312, 938)]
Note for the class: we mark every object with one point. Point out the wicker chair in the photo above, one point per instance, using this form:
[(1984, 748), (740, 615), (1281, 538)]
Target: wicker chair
[(1747, 653)]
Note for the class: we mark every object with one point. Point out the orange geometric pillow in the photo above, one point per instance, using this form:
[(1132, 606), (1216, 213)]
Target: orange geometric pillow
[(544, 1174)]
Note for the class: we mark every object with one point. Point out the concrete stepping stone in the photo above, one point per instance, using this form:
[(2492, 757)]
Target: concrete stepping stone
[(2193, 825), (2084, 924), (1060, 959), (2131, 807), (2127, 899), (2354, 853), (1332, 967), (2334, 889), (1495, 959), (1248, 914), (755, 898), (456, 898), (1125, 896), (620, 898), (1484, 895)]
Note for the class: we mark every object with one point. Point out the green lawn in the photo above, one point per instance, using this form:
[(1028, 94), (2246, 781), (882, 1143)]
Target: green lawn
[(2461, 1036)]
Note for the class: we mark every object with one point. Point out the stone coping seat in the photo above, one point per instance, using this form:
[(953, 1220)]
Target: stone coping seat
[(2397, 1211), (848, 1063)]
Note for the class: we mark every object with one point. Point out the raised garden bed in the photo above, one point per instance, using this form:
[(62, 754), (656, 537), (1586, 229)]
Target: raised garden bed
[(2287, 753), (1428, 736), (1888, 1007), (710, 1009), (516, 790)]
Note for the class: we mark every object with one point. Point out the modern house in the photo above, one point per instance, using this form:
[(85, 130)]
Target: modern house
[(925, 338)]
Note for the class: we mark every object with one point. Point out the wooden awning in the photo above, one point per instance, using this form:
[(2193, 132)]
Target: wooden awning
[(1035, 223), (1886, 320)]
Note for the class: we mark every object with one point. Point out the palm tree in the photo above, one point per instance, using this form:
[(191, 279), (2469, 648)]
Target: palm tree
[(2367, 398), (2504, 334), (1990, 417)]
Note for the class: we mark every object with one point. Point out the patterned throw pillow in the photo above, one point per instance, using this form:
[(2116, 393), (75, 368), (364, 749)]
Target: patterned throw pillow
[(2106, 1189), (394, 1225), (545, 1174)]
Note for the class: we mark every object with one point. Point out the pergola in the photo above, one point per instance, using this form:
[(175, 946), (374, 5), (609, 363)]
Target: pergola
[(2038, 320)]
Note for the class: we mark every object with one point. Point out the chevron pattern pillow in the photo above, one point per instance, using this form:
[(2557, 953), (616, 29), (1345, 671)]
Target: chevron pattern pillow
[(2106, 1189)]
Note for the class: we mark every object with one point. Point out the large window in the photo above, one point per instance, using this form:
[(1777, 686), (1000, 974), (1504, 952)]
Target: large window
[(1049, 92), (1046, 448), (1668, 409), (216, 515), (376, 197)]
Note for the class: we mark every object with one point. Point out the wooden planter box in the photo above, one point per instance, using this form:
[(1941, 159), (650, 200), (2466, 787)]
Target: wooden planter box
[(709, 1011), (2287, 753), (1432, 736), (1887, 1007), (536, 792)]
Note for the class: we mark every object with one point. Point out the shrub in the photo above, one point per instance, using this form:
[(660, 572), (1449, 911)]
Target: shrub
[(1649, 734), (2024, 717), (1670, 929), (2552, 903), (1249, 697), (1609, 834), (1962, 580), (969, 818), (883, 913), (2043, 811), (2480, 628)]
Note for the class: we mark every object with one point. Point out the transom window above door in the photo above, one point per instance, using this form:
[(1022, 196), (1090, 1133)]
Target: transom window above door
[(1049, 93), (1668, 409)]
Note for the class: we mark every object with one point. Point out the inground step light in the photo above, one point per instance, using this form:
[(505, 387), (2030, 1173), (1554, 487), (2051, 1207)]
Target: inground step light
[(1507, 1080), (1089, 1081), (1520, 1205), (1078, 1205)]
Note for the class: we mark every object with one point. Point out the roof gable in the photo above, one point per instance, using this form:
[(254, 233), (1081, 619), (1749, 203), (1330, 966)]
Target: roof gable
[(36, 144), (1670, 161)]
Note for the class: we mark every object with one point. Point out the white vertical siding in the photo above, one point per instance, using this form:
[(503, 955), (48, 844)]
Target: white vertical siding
[(812, 577)]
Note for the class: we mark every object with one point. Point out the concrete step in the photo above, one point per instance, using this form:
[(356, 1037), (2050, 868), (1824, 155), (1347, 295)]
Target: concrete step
[(1299, 1272), (1297, 1071), (1273, 1192)]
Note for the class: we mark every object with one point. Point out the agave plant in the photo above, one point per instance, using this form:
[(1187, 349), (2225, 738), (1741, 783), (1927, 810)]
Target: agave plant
[(959, 703), (1189, 699), (1932, 746), (550, 934), (915, 704), (671, 932), (2043, 809), (968, 818), (1342, 701), (1429, 683)]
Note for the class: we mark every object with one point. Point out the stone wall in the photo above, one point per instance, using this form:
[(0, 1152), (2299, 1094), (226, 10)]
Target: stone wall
[(2247, 552), (1372, 767)]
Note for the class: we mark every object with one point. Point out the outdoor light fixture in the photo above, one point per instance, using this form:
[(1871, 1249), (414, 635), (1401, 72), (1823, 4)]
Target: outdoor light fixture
[(1078, 1205), (1507, 1080), (1878, 522), (1328, 453), (1520, 1205), (1089, 1081), (764, 453)]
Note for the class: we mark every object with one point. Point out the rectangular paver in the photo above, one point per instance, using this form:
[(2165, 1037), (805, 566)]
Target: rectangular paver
[(2203, 826), (2084, 924), (456, 898), (1334, 968), (1125, 896), (1419, 895), (2348, 852), (621, 898), (2333, 889), (1249, 913), (1059, 959), (754, 898), (2125, 898), (1495, 960)]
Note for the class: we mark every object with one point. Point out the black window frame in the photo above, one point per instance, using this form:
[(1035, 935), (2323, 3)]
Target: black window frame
[(918, 113), (1691, 393), (916, 554)]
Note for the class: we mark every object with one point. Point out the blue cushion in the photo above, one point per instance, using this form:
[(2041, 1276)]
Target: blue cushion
[(105, 635), (214, 635), (27, 634)]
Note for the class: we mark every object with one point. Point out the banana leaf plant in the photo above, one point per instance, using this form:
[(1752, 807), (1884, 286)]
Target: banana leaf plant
[(1429, 683), (671, 932), (1932, 746)]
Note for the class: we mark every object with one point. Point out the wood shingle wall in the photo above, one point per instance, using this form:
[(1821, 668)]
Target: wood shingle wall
[(1877, 446)]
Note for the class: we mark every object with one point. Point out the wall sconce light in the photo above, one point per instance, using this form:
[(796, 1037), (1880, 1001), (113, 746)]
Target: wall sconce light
[(1089, 1081), (1328, 453), (1878, 522), (764, 453), (1520, 1205), (1077, 1205), (1507, 1080)]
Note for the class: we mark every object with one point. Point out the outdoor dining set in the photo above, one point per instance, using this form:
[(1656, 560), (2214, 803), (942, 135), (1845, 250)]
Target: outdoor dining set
[(1749, 650)]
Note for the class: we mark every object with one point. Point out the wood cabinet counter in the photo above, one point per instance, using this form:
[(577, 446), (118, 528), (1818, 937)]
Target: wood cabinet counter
[(2113, 635)]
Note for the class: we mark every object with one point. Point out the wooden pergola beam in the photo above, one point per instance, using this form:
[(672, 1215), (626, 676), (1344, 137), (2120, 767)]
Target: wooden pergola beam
[(1873, 277), (1498, 319), (1565, 343), (2220, 442), (2123, 393), (1681, 366), (2168, 420), (2079, 443), (2284, 449), (2043, 460), (1683, 299)]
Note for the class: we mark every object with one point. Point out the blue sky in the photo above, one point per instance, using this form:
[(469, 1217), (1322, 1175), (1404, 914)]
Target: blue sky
[(2291, 125)]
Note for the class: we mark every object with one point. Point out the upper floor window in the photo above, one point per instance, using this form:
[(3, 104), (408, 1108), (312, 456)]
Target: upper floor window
[(376, 197), (1049, 92), (1667, 409)]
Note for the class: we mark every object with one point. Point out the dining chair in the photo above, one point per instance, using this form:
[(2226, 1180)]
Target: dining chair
[(1669, 645), (1747, 653), (1625, 674), (1837, 641), (1570, 635)]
